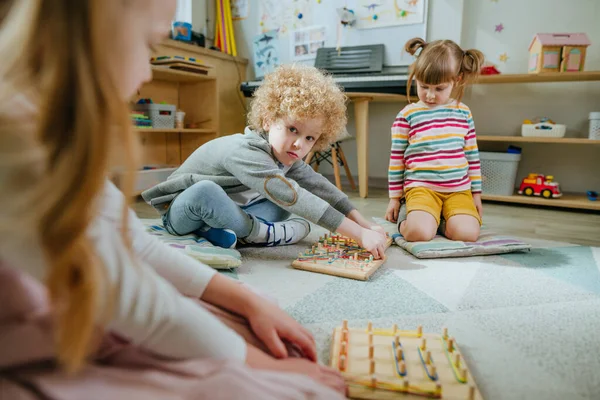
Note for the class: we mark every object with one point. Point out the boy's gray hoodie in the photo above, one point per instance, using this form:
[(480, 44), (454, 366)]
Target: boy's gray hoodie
[(245, 161)]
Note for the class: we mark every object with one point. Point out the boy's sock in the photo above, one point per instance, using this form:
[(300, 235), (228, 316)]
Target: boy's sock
[(282, 233), (225, 238)]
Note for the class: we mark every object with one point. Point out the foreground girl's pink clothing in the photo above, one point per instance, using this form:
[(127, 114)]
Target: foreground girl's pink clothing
[(120, 370)]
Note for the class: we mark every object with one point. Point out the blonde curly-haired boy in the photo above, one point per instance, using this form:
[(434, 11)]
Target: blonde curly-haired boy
[(245, 186)]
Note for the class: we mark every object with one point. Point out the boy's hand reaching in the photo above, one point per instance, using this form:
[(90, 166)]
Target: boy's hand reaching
[(392, 210), (373, 241)]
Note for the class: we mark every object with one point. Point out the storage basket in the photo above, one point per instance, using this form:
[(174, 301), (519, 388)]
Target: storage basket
[(535, 130), (499, 172), (161, 115), (594, 126)]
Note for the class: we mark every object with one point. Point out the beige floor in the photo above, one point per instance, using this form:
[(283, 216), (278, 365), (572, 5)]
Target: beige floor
[(522, 221)]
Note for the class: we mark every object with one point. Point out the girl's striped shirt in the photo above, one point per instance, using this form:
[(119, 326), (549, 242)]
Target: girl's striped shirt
[(434, 148)]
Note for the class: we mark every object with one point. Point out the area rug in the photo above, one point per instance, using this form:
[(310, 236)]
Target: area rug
[(528, 324)]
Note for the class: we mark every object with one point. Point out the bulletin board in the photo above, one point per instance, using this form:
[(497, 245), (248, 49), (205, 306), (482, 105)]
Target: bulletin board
[(387, 22)]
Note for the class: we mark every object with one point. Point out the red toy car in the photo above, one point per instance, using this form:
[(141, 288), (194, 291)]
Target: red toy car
[(540, 185)]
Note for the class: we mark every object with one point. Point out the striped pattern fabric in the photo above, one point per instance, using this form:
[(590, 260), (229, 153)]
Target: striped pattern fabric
[(434, 148)]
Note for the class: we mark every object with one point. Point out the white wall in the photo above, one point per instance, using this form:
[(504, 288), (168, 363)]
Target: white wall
[(500, 109)]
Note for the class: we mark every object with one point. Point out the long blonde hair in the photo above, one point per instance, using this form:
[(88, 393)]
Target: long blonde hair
[(443, 61), (54, 165)]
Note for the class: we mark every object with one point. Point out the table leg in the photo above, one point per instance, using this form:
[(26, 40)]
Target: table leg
[(361, 115)]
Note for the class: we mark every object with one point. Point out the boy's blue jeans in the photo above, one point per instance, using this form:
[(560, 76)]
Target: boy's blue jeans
[(206, 204)]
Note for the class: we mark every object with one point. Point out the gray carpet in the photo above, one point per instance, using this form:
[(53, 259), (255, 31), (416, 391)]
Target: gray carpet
[(527, 323)]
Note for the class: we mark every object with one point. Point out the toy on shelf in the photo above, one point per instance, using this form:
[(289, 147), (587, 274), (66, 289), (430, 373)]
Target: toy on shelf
[(542, 127), (489, 70), (397, 364), (540, 185), (592, 195), (340, 256), (557, 52)]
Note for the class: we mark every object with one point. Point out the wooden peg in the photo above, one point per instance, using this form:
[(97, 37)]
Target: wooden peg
[(342, 363), (370, 338), (402, 367), (445, 332), (420, 330), (423, 344), (345, 335), (399, 354), (394, 328), (369, 326), (438, 388), (433, 371), (374, 381), (405, 383), (397, 340), (428, 357), (457, 360), (450, 345), (471, 393), (371, 367), (371, 352), (465, 374), (345, 324), (344, 349)]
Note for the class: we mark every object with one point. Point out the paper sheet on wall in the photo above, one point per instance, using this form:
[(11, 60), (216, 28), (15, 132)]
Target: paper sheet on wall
[(266, 53), (380, 13), (305, 42), (284, 15), (239, 9)]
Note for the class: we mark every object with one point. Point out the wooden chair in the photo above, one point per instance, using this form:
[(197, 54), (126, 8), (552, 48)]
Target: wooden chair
[(335, 157)]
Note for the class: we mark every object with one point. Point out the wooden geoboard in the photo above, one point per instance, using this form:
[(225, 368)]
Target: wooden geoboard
[(340, 256), (389, 363)]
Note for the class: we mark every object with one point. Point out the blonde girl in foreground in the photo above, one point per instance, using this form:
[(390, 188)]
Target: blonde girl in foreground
[(92, 306)]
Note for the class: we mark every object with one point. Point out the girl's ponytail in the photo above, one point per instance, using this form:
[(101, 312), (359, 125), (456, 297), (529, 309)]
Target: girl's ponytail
[(413, 45)]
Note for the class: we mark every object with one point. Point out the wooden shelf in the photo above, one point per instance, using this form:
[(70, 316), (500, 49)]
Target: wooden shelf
[(152, 130), (382, 97), (161, 73), (525, 139), (568, 200), (541, 77)]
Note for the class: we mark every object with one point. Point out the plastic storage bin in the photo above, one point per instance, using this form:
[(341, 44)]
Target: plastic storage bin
[(595, 126), (499, 172), (148, 178), (161, 115)]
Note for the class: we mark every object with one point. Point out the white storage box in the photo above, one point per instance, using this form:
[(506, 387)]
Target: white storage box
[(148, 178), (161, 115), (499, 172), (535, 130)]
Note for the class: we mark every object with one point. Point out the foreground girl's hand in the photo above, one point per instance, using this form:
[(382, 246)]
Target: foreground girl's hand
[(272, 326), (392, 210), (322, 374), (257, 359)]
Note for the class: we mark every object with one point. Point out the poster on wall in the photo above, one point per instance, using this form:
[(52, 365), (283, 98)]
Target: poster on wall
[(266, 54), (239, 9), (284, 15), (305, 42), (370, 14)]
